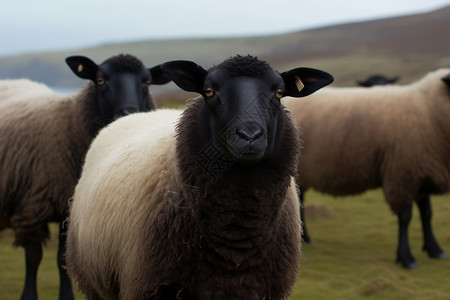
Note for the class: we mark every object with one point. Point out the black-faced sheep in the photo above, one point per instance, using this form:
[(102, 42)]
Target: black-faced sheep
[(377, 80), (44, 137), (198, 207), (394, 137)]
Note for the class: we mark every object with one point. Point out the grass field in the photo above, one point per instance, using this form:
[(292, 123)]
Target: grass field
[(352, 258)]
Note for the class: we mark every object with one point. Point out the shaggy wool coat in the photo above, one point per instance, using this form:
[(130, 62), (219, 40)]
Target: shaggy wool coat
[(148, 222)]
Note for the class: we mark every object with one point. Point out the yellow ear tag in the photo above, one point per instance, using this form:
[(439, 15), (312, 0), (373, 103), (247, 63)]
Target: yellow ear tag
[(299, 83), (80, 68)]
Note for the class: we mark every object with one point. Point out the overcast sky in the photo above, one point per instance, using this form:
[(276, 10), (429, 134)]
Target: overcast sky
[(42, 25)]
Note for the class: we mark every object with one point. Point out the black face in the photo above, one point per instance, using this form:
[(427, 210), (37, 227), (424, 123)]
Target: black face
[(121, 94), (122, 83), (243, 113)]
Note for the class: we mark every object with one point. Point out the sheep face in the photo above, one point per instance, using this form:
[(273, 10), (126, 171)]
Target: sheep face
[(242, 108), (121, 84), (243, 113)]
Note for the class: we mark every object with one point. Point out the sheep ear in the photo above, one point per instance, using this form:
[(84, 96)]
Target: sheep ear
[(363, 83), (186, 74), (158, 76), (301, 82), (394, 80), (446, 79), (83, 67)]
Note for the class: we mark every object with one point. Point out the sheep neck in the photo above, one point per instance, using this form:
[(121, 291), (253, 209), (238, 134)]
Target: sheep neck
[(88, 112), (84, 126), (234, 228)]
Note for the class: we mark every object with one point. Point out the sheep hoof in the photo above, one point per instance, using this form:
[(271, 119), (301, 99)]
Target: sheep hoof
[(409, 264), (435, 252), (441, 255), (308, 241)]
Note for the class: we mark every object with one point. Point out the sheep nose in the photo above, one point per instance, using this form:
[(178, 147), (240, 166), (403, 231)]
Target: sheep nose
[(127, 111), (248, 135)]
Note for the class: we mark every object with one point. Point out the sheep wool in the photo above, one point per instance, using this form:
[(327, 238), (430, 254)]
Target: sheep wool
[(374, 134), (38, 123), (154, 225)]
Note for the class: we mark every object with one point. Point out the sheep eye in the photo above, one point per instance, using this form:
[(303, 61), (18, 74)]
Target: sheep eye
[(279, 93), (209, 92), (148, 83), (100, 81)]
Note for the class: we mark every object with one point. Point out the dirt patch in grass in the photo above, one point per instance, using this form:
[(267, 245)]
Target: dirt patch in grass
[(376, 286)]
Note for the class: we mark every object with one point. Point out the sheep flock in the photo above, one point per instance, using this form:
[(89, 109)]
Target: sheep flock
[(207, 201)]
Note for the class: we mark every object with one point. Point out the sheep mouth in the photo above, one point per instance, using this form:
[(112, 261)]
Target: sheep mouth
[(246, 153), (249, 158)]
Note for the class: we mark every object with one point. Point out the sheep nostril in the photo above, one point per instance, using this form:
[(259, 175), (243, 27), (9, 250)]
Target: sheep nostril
[(126, 112)]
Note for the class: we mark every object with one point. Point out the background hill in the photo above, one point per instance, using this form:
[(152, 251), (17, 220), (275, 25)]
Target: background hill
[(408, 46)]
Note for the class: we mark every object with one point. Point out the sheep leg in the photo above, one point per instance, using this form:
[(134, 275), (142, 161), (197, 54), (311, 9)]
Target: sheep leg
[(305, 237), (404, 255), (65, 286), (429, 241), (33, 257)]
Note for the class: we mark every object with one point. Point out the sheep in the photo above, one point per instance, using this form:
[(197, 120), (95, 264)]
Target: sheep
[(44, 137), (397, 138), (197, 206), (377, 80)]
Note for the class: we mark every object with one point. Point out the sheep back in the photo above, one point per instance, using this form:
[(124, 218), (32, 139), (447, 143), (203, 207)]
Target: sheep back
[(134, 222), (357, 139), (21, 89)]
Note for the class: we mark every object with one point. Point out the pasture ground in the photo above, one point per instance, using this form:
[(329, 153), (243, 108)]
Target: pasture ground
[(353, 256)]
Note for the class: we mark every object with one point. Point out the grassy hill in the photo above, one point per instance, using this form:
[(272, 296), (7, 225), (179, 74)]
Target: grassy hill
[(408, 46)]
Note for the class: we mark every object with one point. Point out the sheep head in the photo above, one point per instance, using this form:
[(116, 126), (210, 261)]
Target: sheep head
[(242, 112), (121, 83), (378, 80)]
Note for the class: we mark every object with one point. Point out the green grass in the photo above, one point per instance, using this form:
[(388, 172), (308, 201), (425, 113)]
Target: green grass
[(352, 258), (354, 251)]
